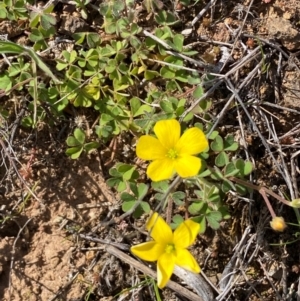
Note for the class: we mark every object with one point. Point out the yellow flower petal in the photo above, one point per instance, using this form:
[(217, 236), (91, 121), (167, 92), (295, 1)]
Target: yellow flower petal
[(167, 132), (165, 268), (149, 148), (159, 170), (187, 166), (192, 142), (149, 251), (186, 234), (159, 230), (187, 261)]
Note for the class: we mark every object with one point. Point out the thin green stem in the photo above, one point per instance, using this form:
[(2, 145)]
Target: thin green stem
[(164, 200)]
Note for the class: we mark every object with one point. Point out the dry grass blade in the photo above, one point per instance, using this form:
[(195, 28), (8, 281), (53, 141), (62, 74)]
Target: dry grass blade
[(8, 155), (203, 11)]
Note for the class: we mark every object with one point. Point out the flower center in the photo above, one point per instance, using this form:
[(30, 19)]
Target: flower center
[(170, 248), (172, 154)]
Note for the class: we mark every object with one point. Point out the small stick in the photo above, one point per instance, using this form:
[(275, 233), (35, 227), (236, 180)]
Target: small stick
[(170, 51), (227, 105), (177, 180), (196, 281), (156, 39), (231, 87), (197, 63), (17, 172), (121, 246), (274, 45), (294, 178), (172, 65), (169, 210), (203, 11), (278, 107), (113, 147), (278, 297), (229, 270), (204, 96)]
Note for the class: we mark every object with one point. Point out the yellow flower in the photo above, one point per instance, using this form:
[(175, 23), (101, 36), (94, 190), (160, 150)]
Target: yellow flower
[(171, 153), (168, 248), (278, 224)]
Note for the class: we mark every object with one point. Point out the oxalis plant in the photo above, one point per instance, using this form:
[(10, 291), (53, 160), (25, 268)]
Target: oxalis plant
[(135, 84), (186, 158), (204, 165), (183, 155)]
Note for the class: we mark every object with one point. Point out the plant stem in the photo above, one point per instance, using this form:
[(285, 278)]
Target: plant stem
[(263, 191), (163, 202)]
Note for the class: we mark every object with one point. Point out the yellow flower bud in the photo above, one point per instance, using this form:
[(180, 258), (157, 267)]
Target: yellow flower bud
[(295, 203), (278, 224)]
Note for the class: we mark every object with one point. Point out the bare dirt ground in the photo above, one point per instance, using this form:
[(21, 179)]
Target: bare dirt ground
[(44, 258)]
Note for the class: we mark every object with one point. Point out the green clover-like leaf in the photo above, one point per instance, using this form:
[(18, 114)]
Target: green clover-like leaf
[(222, 159), (230, 144), (217, 144), (79, 135), (74, 152)]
